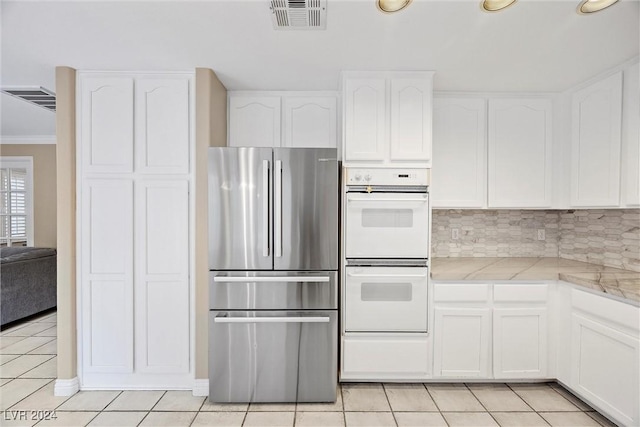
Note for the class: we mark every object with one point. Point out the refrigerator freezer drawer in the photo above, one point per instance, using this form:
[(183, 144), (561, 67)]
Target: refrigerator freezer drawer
[(273, 356), (278, 290)]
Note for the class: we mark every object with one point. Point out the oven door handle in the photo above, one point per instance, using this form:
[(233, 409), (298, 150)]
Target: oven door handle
[(244, 279), (385, 275), (272, 320), (395, 199)]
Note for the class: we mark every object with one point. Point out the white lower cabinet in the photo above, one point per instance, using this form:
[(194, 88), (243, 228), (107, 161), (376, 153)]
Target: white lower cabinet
[(601, 358), (484, 331), (371, 357), (605, 355), (520, 343), (462, 342)]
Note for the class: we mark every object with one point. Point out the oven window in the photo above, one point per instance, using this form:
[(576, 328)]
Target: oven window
[(386, 292), (387, 218)]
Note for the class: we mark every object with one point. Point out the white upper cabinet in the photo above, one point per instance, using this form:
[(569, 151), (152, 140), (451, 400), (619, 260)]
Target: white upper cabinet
[(106, 124), (364, 122), (595, 149), (283, 119), (254, 121), (310, 121), (162, 125), (459, 152), (520, 145), (631, 136), (387, 118), (411, 119)]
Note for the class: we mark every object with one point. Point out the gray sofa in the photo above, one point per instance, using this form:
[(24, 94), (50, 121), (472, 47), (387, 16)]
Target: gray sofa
[(27, 282)]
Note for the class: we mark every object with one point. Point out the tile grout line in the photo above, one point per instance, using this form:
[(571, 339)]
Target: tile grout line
[(436, 403), (393, 414), (481, 404), (35, 391), (527, 403), (344, 413), (26, 372), (564, 397), (151, 409)]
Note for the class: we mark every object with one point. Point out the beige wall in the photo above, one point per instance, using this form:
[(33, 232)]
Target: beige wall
[(211, 131), (66, 221), (44, 188)]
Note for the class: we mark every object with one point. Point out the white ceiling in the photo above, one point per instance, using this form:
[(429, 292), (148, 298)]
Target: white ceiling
[(535, 45)]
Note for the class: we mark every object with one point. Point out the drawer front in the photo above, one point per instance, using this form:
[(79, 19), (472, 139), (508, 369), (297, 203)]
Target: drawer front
[(273, 291), (461, 293), (378, 356), (520, 293), (273, 356)]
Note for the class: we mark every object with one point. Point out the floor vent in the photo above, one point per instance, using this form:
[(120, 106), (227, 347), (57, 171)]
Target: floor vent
[(299, 14), (37, 95)]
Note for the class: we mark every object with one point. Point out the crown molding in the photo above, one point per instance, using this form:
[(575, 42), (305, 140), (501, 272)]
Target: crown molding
[(27, 139)]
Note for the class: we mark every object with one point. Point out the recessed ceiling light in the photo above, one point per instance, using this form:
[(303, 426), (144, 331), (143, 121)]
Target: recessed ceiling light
[(589, 6), (36, 95), (496, 5), (390, 6)]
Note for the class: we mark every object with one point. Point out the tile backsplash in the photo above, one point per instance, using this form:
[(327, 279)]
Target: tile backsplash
[(606, 237), (499, 233), (598, 236)]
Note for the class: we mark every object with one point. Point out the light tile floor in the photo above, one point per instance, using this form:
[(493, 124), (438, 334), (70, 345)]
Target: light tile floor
[(28, 370)]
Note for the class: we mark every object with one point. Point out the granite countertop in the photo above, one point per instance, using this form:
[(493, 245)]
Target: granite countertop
[(613, 281)]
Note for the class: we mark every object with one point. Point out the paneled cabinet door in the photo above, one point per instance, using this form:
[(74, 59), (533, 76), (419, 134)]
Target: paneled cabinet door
[(365, 119), (162, 279), (604, 368), (162, 125), (107, 275), (595, 148), (520, 342), (410, 119), (254, 121), (631, 136), (106, 124), (310, 122), (461, 342), (459, 153), (520, 153)]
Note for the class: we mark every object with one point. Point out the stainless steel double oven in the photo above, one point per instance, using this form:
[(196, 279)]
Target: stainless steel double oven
[(273, 256)]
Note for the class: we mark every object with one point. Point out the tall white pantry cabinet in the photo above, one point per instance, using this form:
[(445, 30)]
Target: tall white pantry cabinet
[(134, 146)]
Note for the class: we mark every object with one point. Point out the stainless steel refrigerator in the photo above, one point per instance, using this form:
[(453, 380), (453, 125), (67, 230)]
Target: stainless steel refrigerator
[(273, 256)]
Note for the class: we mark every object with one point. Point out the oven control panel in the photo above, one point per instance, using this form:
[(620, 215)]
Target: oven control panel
[(379, 176)]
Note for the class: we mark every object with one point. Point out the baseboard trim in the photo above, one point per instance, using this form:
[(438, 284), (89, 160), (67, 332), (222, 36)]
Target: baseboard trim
[(201, 387), (66, 387)]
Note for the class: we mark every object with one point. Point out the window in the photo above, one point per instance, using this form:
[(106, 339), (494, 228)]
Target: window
[(16, 207)]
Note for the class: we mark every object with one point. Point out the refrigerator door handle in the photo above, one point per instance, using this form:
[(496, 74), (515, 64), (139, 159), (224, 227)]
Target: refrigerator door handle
[(265, 207), (271, 320), (278, 209)]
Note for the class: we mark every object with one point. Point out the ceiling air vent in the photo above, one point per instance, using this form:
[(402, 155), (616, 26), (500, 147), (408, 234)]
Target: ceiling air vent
[(299, 14), (34, 94)]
